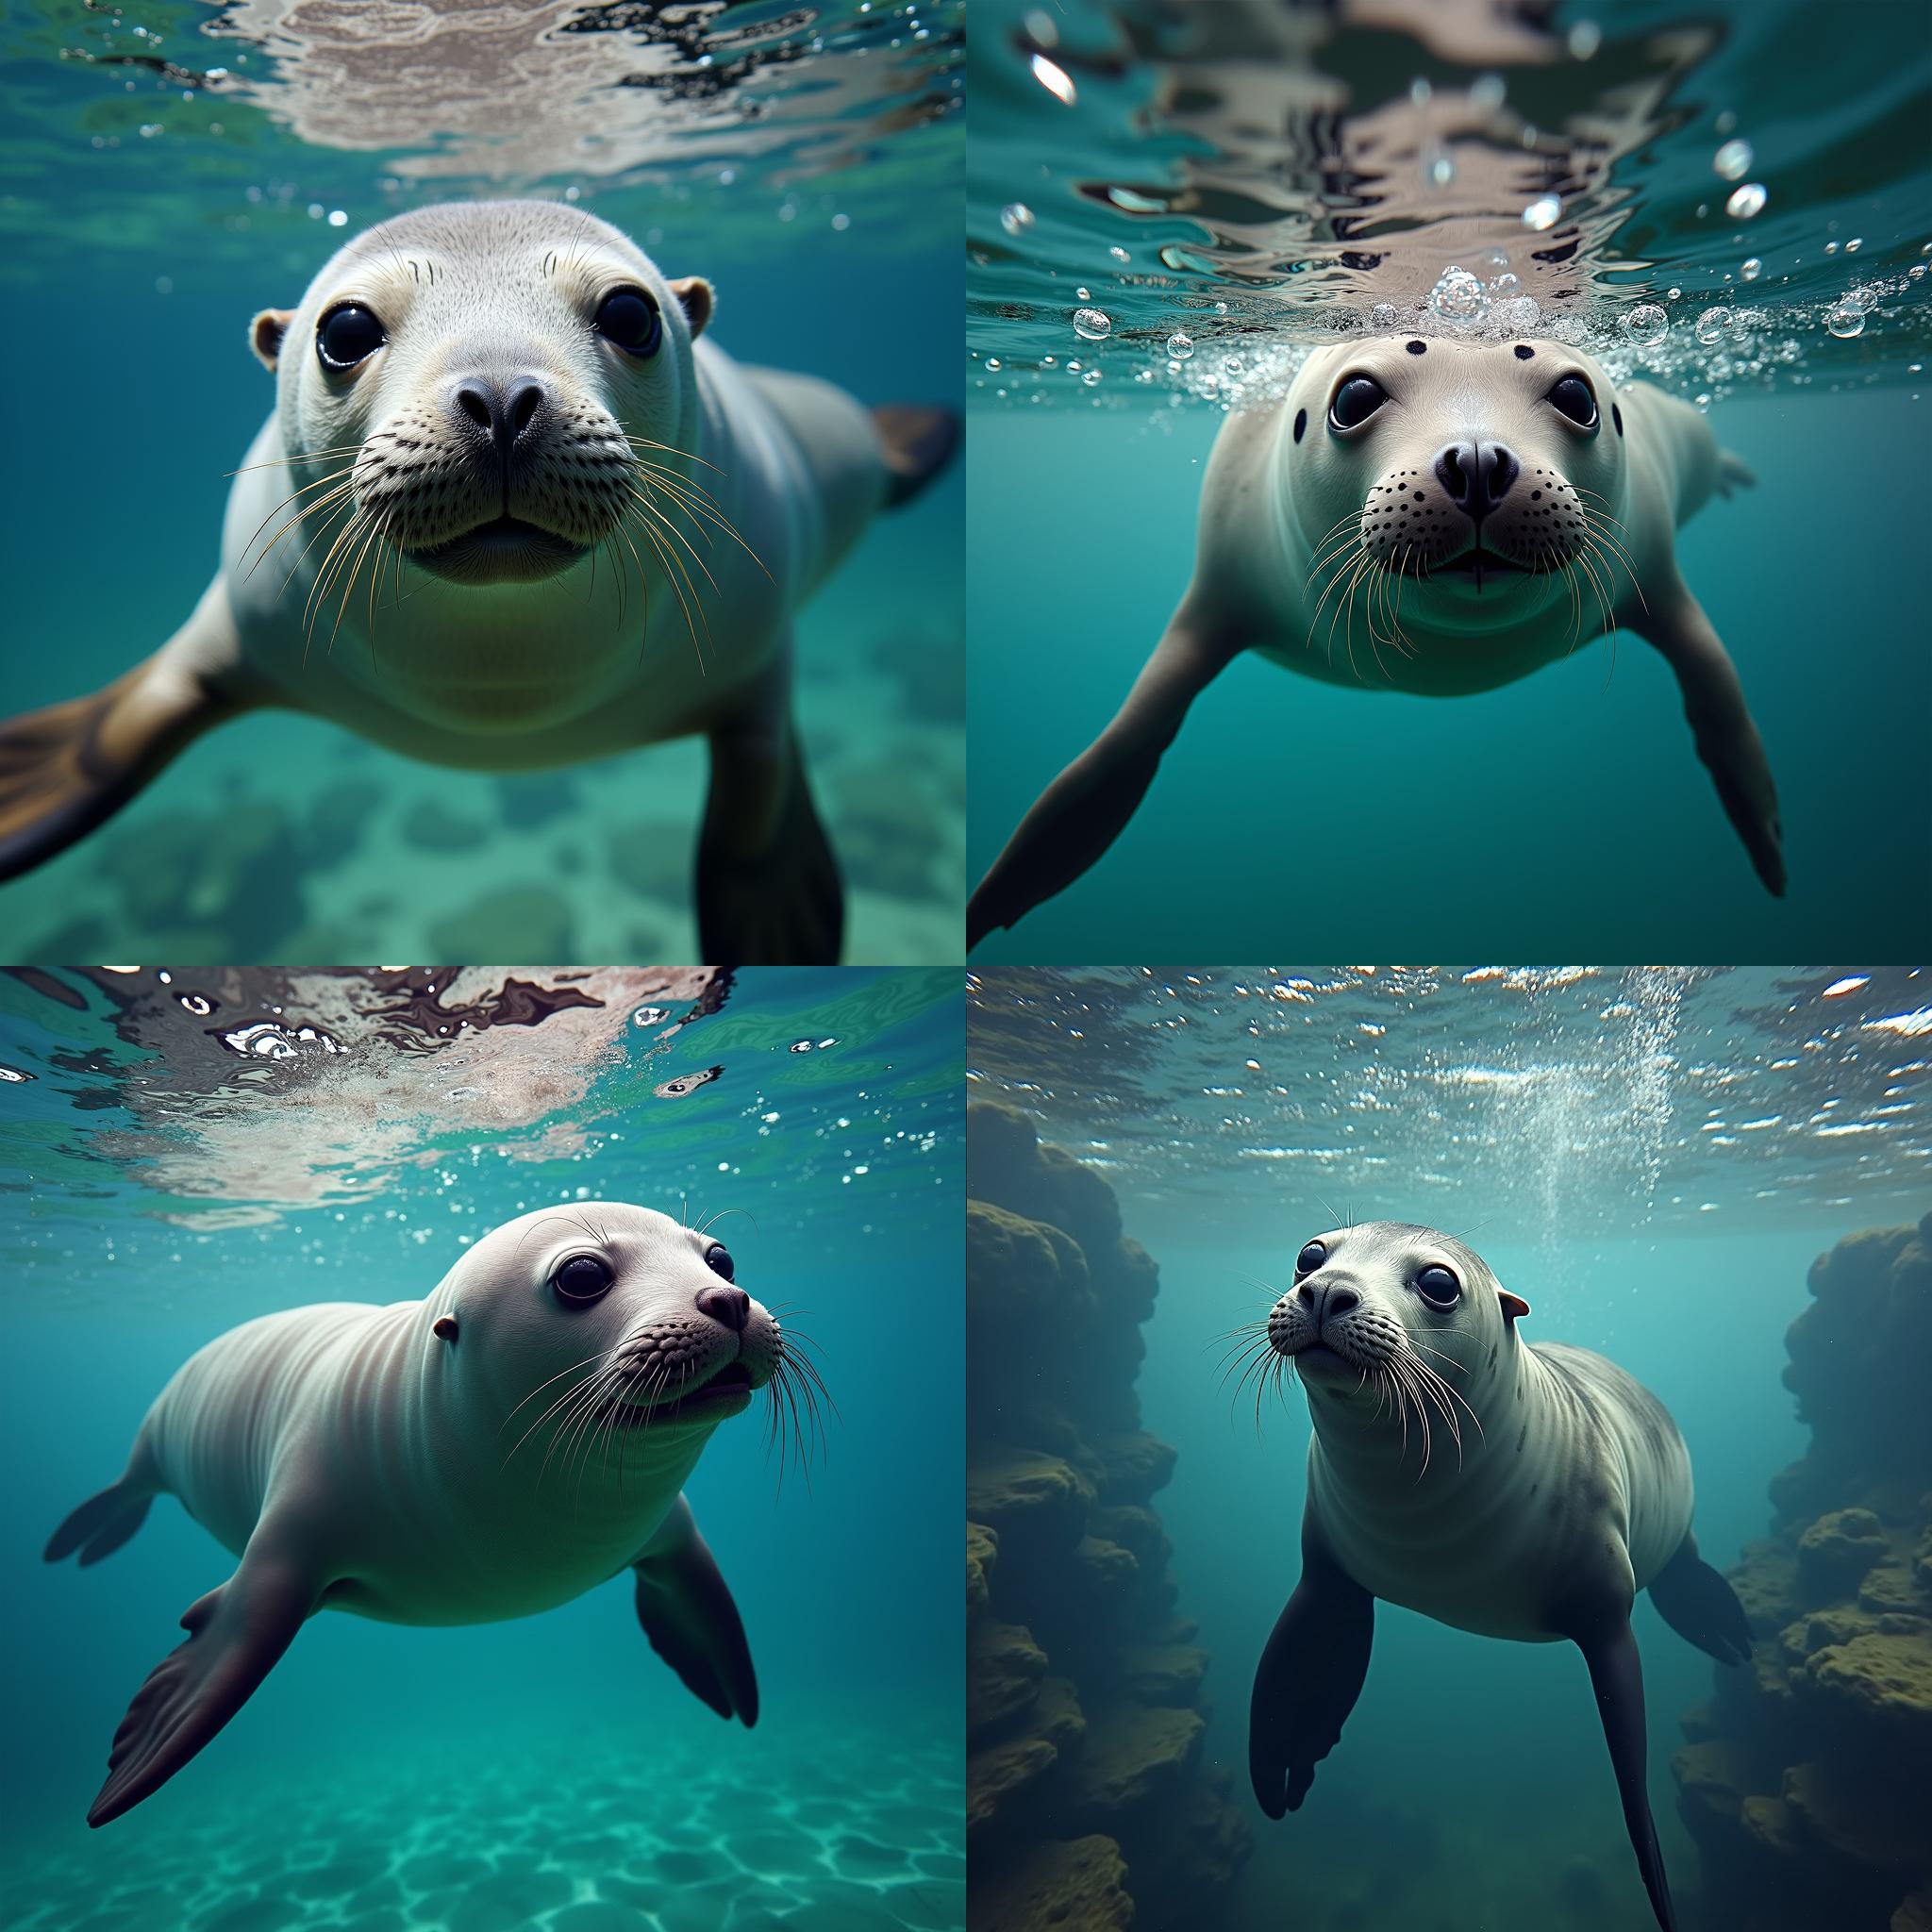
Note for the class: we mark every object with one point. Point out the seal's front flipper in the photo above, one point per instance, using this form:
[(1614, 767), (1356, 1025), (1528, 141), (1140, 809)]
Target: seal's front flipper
[(237, 1632), (768, 890), (685, 1608), (918, 441), (65, 769), (101, 1524), (1087, 807), (1727, 738), (1700, 1605), (1616, 1674), (1310, 1677)]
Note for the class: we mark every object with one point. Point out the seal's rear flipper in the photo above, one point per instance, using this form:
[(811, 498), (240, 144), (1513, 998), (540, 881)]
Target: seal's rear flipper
[(919, 441), (1721, 721), (66, 769), (1616, 1674), (1701, 1607), (1309, 1679), (1072, 823), (100, 1526), (1734, 472), (237, 1632), (685, 1608)]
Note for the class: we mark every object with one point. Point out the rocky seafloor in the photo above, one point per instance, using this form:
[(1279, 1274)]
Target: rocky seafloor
[(1088, 1804), (1807, 1779)]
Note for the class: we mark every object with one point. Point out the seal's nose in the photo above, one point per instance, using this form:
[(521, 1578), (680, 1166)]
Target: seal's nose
[(1324, 1302), (505, 409), (1477, 475), (727, 1305)]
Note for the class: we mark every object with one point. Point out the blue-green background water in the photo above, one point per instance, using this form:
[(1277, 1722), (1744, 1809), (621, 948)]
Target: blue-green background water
[(158, 1187), (807, 165), (1238, 174), (1650, 1159)]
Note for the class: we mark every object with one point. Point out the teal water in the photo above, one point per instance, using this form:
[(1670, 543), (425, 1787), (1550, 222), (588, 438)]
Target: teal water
[(163, 1183), (806, 165), (1251, 178), (1650, 1159)]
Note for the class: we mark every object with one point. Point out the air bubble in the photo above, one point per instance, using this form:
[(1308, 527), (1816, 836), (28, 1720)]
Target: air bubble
[(1384, 315), (1713, 327), (1733, 161), (1016, 218), (1646, 323), (1459, 296), (1092, 325), (1844, 321), (1746, 201), (1542, 212), (1753, 268), (1180, 345)]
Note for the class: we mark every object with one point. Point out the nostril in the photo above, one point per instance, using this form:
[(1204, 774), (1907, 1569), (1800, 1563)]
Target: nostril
[(523, 405), (727, 1305), (475, 405), (1341, 1300), (1500, 471), (1453, 470)]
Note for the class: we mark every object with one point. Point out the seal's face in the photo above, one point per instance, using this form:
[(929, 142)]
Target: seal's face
[(493, 390), (584, 1323), (1486, 476), (1388, 1317)]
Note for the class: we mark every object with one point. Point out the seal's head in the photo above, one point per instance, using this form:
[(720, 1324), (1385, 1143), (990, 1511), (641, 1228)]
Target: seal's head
[(485, 384), (571, 1328), (1487, 475), (1389, 1318)]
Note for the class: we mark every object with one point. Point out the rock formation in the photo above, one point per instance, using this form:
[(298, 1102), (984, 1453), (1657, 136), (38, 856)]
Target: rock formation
[(1807, 1779), (1086, 1797)]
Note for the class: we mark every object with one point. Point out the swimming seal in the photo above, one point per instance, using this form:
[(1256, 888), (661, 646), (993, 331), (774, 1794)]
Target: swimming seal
[(1489, 507), (1518, 1491), (518, 1436), (515, 509)]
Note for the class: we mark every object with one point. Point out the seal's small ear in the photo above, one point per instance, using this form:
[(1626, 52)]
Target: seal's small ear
[(266, 332), (1514, 1306), (445, 1326), (695, 294)]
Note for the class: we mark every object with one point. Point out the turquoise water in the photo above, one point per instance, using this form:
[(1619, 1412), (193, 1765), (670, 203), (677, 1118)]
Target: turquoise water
[(1650, 1159), (808, 166), (1251, 178), (163, 1183)]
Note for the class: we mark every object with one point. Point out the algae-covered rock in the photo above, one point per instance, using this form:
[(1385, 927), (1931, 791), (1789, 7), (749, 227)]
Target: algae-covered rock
[(1003, 1670), (1134, 1753), (1133, 1467), (982, 1548), (1838, 1550), (1075, 1885), (1031, 1496), (998, 1775)]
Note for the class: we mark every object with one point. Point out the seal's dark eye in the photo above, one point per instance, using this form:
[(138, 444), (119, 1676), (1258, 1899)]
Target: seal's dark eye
[(346, 335), (1438, 1286), (1356, 401), (629, 318), (720, 1262), (1573, 395), (1310, 1259), (582, 1279)]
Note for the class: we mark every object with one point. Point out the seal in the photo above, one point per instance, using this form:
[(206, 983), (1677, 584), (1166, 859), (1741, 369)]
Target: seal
[(1433, 517), (518, 1436), (514, 508), (1520, 1491)]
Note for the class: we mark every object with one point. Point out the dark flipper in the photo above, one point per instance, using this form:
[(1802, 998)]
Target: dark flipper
[(236, 1633), (1701, 1607), (66, 769), (1309, 1679), (100, 1526), (1072, 822), (1721, 721), (685, 1608), (919, 440), (768, 888), (1616, 1674)]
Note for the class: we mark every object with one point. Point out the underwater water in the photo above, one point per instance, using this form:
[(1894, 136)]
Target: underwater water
[(171, 170), (179, 1155), (1652, 1160), (1167, 210)]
